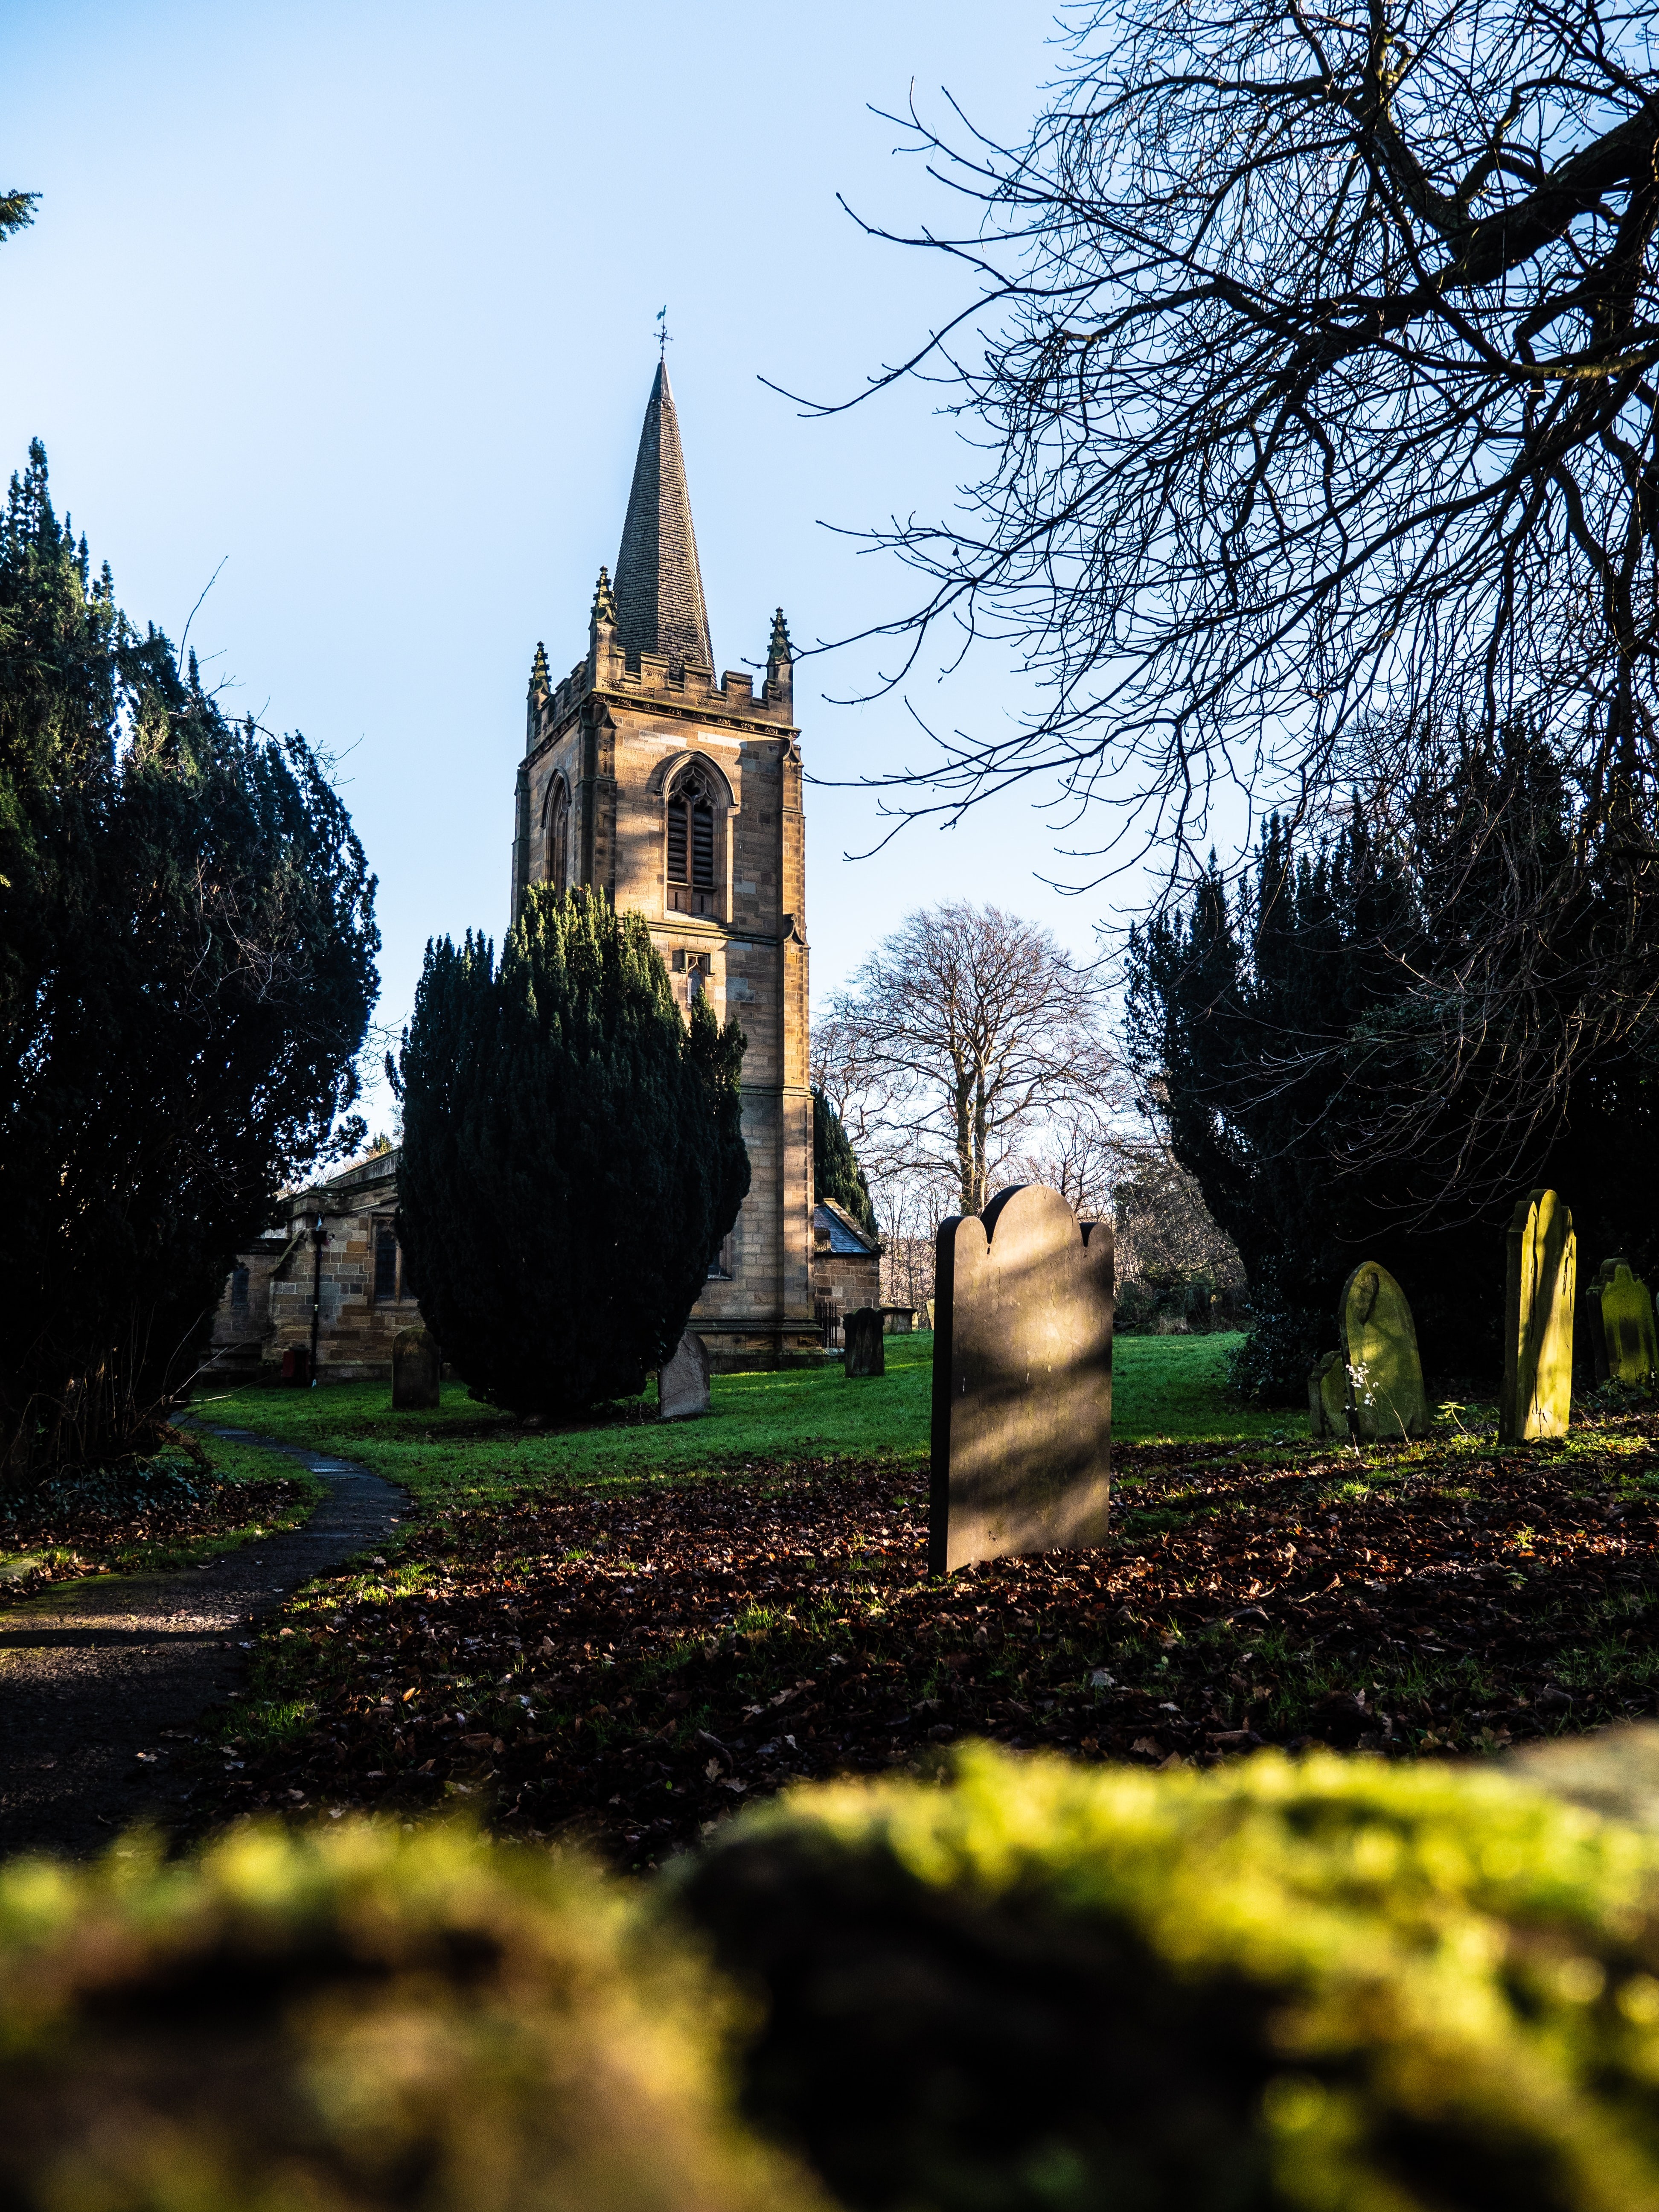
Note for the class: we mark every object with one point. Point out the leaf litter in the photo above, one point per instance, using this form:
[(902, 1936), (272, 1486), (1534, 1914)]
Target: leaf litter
[(627, 1666)]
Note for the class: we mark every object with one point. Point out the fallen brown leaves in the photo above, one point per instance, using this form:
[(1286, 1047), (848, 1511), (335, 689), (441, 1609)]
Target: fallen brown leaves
[(115, 1524), (629, 1666)]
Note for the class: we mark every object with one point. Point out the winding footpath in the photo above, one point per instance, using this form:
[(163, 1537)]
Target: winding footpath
[(95, 1673)]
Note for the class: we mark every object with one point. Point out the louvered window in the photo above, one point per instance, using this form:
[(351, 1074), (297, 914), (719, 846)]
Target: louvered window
[(702, 844), (678, 811)]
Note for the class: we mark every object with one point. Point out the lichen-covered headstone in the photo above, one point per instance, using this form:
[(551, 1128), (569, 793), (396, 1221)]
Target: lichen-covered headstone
[(1022, 1381), (1327, 1396), (1627, 1324), (682, 1385), (415, 1371), (1541, 1284), (862, 1332), (1384, 1375)]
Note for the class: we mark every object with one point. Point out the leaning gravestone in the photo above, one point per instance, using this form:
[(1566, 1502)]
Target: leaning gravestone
[(1022, 1381), (682, 1385), (1541, 1279), (414, 1370), (861, 1334), (1379, 1348), (1327, 1396), (1627, 1324)]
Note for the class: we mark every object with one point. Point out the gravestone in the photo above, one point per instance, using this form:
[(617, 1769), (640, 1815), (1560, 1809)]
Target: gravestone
[(414, 1370), (682, 1385), (1327, 1397), (861, 1334), (1022, 1423), (1626, 1324), (1538, 1302), (1384, 1376), (1590, 1305)]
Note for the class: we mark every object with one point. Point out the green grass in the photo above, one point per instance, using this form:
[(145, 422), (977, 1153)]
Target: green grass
[(1166, 1389)]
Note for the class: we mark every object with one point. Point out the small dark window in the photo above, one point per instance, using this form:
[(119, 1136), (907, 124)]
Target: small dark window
[(385, 1261), (239, 1291)]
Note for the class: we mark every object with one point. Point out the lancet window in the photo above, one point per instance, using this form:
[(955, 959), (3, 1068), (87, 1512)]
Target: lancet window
[(558, 835), (691, 849)]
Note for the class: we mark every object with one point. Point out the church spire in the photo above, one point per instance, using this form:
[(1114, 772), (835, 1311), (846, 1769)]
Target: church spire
[(658, 587)]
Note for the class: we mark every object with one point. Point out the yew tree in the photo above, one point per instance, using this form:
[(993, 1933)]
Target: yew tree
[(572, 1154), (187, 948)]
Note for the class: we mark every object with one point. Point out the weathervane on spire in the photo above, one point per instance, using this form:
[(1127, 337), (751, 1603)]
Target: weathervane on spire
[(662, 334)]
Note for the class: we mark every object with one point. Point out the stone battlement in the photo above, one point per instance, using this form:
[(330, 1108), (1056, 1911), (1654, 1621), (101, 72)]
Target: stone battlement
[(644, 678)]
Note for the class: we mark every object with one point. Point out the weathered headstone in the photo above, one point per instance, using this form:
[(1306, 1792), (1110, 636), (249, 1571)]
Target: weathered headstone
[(414, 1370), (1327, 1396), (1590, 1306), (927, 1311), (1379, 1347), (1627, 1324), (682, 1385), (1022, 1424), (861, 1334), (1538, 1302)]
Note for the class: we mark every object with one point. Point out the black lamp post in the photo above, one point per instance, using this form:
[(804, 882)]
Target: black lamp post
[(318, 1240)]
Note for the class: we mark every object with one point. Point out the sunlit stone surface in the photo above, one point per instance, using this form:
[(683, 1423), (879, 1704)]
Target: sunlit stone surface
[(1021, 1381)]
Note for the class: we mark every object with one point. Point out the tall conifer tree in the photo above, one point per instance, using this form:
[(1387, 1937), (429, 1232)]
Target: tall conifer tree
[(572, 1154), (187, 950)]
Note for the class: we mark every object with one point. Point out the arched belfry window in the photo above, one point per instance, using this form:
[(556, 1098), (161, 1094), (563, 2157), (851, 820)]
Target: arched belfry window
[(557, 846), (691, 844)]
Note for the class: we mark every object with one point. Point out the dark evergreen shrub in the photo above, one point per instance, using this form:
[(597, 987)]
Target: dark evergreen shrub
[(573, 1155), (1331, 1986), (187, 948), (836, 1174), (1293, 1024)]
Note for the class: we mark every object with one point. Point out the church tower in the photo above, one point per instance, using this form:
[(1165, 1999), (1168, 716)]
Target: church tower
[(681, 798)]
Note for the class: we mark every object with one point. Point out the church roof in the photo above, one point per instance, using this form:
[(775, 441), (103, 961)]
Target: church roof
[(845, 1234), (659, 586)]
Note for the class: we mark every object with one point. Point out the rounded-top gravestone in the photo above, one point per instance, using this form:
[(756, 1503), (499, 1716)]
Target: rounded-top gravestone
[(1627, 1324), (415, 1371), (862, 1335), (1384, 1376)]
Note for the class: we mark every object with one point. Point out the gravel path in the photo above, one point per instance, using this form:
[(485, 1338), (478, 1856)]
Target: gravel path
[(93, 1673)]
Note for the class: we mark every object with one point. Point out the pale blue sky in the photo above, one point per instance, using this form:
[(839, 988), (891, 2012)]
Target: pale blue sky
[(361, 297)]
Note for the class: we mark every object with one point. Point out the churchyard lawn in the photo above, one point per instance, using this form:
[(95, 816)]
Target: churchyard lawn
[(624, 1633), (1164, 1389)]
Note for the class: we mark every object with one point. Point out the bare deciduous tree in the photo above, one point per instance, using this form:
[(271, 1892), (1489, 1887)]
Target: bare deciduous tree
[(1316, 350), (961, 1034), (1316, 353)]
